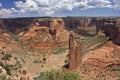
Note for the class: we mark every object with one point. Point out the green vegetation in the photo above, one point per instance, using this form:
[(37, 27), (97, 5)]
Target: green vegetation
[(60, 50), (2, 52), (48, 40), (1, 64), (58, 75), (41, 61), (3, 78), (72, 76), (94, 43), (44, 59), (77, 38), (15, 37), (6, 67), (66, 61), (37, 61), (7, 57)]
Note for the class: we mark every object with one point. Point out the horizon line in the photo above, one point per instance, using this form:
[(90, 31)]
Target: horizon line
[(59, 17)]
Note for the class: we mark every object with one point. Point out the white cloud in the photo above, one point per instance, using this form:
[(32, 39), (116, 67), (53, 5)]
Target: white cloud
[(46, 7), (0, 5), (5, 12), (27, 6), (116, 4), (87, 4), (49, 7)]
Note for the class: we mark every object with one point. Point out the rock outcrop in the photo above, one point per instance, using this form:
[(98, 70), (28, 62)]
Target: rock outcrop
[(47, 35), (6, 41), (75, 22), (25, 75), (103, 57), (38, 31), (2, 71), (23, 24), (111, 27), (17, 25), (71, 51), (75, 51)]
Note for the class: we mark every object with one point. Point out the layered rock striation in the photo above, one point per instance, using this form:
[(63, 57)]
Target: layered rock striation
[(75, 51), (111, 27)]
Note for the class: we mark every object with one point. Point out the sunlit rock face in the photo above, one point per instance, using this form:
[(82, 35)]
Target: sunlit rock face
[(45, 33), (104, 56), (75, 51), (2, 71)]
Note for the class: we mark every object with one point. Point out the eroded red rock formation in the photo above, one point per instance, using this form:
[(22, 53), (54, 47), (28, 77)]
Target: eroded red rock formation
[(103, 57), (17, 25), (71, 51), (53, 33), (78, 55), (74, 52), (111, 27), (74, 22)]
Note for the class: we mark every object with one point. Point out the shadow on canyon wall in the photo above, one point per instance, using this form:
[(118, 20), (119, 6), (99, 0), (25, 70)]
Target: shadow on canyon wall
[(77, 24)]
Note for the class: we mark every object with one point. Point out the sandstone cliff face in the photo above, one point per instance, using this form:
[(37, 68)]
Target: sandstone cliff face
[(23, 24), (1, 27), (111, 27), (48, 33), (72, 23), (75, 51), (6, 41), (17, 25), (45, 33), (103, 57), (3, 31), (71, 51)]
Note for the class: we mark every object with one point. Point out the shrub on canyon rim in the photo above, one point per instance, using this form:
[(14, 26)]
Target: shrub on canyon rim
[(7, 57), (3, 78), (58, 75), (2, 52)]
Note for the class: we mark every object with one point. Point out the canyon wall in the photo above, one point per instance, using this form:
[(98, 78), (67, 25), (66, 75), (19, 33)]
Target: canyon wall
[(32, 31), (75, 52), (16, 25), (111, 27), (75, 22)]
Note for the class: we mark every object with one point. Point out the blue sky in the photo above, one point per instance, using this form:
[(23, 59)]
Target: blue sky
[(28, 8)]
